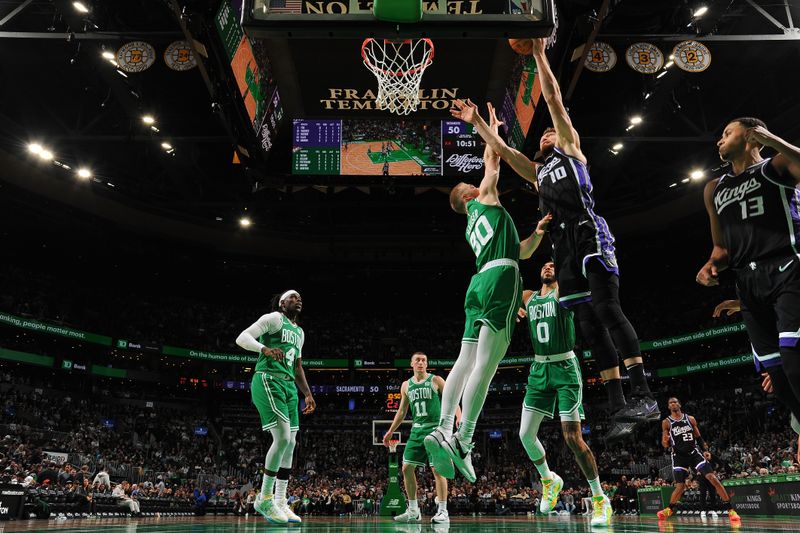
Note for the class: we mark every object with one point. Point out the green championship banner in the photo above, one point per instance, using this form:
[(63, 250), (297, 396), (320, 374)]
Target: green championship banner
[(34, 325), (705, 366)]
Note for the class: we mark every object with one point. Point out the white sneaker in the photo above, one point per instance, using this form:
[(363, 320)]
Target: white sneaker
[(702, 515), (441, 517), (714, 515), (409, 516), (293, 518), (461, 455), (270, 510), (550, 490), (602, 512)]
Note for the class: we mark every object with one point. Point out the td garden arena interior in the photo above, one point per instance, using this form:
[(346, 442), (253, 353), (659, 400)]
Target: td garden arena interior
[(237, 293)]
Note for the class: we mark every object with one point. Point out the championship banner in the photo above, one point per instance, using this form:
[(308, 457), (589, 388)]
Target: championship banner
[(600, 57), (644, 58), (691, 56), (34, 325), (180, 56), (137, 56)]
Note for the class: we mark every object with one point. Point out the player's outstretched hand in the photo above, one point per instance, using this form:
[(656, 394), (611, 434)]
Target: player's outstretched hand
[(731, 306), (466, 111), (539, 45), (494, 122), (386, 438), (541, 227), (767, 383), (274, 353), (708, 275), (311, 405)]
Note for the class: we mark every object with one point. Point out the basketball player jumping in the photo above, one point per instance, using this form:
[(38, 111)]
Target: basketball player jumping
[(493, 297), (555, 377), (755, 223), (422, 392), (679, 432), (583, 247), (279, 341)]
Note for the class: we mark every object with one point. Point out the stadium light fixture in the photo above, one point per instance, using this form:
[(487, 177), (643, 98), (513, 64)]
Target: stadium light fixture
[(669, 64), (697, 174), (107, 55), (663, 73), (166, 146), (45, 154), (80, 7), (84, 173), (702, 10), (636, 120), (245, 222), (673, 185), (149, 119), (35, 148), (617, 147), (685, 180)]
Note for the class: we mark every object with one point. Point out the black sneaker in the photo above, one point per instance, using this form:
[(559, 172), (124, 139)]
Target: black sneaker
[(461, 455), (619, 430), (640, 409)]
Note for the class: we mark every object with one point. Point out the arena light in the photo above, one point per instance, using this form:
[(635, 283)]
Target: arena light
[(84, 173), (685, 180), (663, 73), (80, 7), (45, 154), (617, 147), (245, 222), (669, 64), (149, 119), (636, 120), (122, 73), (697, 174), (700, 12), (155, 130), (166, 146), (107, 55), (35, 148), (673, 185)]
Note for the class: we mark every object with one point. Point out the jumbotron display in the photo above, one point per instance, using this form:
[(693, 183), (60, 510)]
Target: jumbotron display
[(386, 148)]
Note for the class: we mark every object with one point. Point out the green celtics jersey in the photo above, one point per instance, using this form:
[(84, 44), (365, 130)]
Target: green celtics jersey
[(552, 327), (425, 403), (288, 338), (491, 233)]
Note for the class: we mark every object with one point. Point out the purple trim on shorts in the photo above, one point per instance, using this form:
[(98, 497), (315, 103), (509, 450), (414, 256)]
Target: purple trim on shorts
[(762, 367), (571, 303), (585, 186), (788, 342), (614, 270)]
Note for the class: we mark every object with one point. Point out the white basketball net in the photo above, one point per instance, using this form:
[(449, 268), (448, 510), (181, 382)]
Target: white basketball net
[(398, 66), (393, 445)]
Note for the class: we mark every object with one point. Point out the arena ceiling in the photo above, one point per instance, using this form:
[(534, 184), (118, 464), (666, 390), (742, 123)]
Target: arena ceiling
[(56, 89)]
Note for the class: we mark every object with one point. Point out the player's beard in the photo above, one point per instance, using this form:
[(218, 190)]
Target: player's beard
[(548, 280)]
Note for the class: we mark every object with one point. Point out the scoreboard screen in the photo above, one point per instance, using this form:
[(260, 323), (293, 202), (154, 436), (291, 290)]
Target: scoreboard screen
[(386, 148), (316, 147), (392, 402)]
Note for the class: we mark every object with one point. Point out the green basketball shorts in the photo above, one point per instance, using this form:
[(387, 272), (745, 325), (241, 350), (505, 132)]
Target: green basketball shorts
[(493, 298), (276, 400), (553, 382), (415, 453)]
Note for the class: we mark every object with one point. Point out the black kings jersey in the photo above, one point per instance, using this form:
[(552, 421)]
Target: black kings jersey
[(565, 189), (758, 213), (681, 435)]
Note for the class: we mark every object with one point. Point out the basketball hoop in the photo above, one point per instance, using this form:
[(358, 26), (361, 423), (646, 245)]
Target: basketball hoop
[(393, 445), (398, 66)]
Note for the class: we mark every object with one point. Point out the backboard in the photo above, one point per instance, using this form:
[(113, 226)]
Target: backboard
[(454, 19)]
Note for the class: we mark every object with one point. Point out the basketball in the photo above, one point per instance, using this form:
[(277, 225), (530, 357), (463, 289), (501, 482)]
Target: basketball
[(522, 46)]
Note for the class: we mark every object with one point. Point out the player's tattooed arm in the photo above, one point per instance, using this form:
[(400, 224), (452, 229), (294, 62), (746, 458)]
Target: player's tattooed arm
[(787, 162), (665, 434), (718, 261), (400, 415), (468, 112), (568, 139)]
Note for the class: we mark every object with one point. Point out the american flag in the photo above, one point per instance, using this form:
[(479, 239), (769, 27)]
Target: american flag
[(286, 6)]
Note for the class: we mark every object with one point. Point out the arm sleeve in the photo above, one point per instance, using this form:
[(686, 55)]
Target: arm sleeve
[(248, 339)]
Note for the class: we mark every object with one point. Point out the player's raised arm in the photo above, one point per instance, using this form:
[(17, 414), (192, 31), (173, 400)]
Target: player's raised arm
[(529, 245), (697, 437), (787, 162), (400, 415), (568, 139), (719, 254), (468, 112), (491, 163)]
